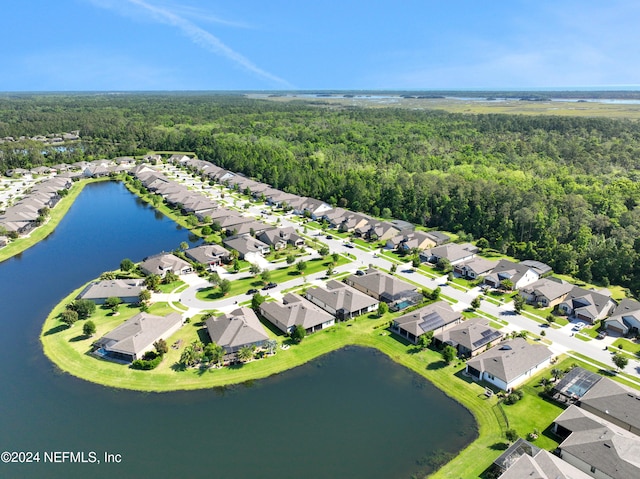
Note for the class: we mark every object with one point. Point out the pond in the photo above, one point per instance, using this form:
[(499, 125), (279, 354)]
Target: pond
[(352, 413)]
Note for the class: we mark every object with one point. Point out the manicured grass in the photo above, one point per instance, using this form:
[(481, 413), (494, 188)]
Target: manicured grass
[(169, 287), (278, 276), (632, 347), (67, 348), (57, 213)]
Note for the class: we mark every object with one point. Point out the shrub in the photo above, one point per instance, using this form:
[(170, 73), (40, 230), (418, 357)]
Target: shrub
[(146, 364)]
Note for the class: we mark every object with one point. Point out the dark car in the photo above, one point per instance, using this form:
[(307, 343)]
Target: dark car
[(252, 291), (359, 273), (329, 237), (269, 286), (349, 245)]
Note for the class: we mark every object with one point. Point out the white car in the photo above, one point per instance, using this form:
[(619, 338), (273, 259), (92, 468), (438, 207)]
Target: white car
[(579, 326)]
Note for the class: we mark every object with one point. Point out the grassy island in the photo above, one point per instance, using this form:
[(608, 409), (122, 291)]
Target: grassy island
[(69, 349)]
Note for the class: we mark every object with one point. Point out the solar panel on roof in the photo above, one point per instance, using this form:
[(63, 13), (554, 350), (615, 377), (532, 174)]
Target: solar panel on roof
[(486, 338)]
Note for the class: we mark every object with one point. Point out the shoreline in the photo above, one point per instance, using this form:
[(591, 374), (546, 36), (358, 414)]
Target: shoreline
[(358, 333), (361, 332), (58, 212)]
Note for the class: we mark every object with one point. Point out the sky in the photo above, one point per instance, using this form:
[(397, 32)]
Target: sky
[(124, 45)]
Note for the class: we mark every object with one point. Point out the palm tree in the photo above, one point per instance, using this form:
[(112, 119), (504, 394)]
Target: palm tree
[(245, 353)]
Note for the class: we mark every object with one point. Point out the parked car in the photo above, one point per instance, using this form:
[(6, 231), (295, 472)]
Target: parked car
[(602, 335), (269, 286), (579, 326), (329, 237), (252, 291), (360, 273), (349, 245)]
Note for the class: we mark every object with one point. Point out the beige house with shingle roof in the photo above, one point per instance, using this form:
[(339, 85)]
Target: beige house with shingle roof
[(237, 329), (509, 363), (341, 300), (434, 317), (547, 292), (294, 311), (128, 290), (136, 335), (470, 337)]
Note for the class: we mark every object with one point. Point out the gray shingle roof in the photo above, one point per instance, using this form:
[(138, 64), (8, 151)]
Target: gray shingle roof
[(294, 311), (428, 318), (510, 359), (136, 334), (387, 287), (119, 288), (236, 329), (339, 296), (473, 334), (615, 401), (207, 253)]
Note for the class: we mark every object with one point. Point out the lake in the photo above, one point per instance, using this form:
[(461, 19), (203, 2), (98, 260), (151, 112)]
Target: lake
[(353, 413)]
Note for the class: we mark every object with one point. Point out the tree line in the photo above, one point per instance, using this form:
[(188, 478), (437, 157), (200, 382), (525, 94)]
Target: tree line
[(563, 190)]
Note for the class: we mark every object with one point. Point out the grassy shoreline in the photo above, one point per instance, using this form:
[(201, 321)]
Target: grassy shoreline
[(67, 349), (57, 213)]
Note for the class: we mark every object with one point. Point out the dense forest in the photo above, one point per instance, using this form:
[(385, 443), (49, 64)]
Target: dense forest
[(561, 190)]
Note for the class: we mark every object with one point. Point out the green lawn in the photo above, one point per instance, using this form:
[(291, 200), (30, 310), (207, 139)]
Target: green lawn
[(280, 275), (169, 287), (628, 346), (67, 348)]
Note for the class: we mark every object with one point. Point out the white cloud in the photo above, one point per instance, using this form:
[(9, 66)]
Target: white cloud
[(195, 33)]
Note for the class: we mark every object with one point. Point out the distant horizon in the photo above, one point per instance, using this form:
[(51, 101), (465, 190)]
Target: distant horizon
[(569, 89)]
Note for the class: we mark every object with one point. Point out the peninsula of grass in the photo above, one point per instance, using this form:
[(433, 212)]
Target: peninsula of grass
[(56, 214), (69, 349)]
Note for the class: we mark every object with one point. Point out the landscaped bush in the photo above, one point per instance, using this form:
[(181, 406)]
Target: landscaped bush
[(514, 397), (149, 361)]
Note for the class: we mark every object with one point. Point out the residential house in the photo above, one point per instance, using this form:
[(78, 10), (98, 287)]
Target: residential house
[(509, 363), (546, 292), (246, 246), (586, 305), (341, 300), (418, 240), (597, 447), (161, 263), (210, 255), (252, 228), (625, 319), (128, 290), (278, 238), (384, 287), (453, 252), (381, 231), (435, 317), (311, 207), (296, 311), (178, 159), (539, 267), (470, 337), (524, 460), (3, 241), (136, 336), (236, 330), (519, 274), (614, 403), (474, 268), (403, 226)]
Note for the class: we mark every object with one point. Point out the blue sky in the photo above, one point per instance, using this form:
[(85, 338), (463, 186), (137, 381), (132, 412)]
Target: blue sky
[(69, 45)]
